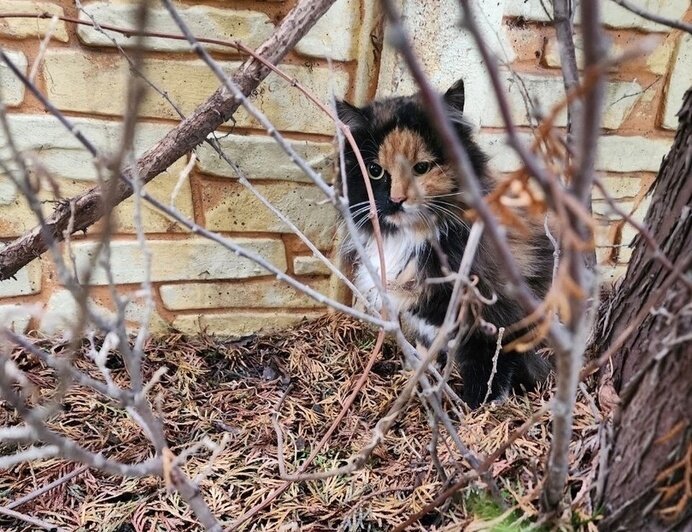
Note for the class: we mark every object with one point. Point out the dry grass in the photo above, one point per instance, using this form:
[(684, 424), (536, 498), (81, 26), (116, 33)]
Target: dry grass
[(218, 387)]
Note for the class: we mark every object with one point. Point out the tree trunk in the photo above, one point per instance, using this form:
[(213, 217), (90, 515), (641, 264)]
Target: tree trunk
[(648, 486)]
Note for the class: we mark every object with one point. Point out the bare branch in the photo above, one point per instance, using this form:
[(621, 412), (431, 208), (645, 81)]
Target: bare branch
[(43, 489), (94, 195), (562, 18), (179, 141), (569, 362), (28, 519)]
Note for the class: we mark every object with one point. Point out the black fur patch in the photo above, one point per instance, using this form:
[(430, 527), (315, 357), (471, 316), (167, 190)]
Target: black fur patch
[(442, 215)]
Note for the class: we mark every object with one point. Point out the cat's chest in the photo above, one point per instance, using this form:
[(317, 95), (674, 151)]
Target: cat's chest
[(402, 258)]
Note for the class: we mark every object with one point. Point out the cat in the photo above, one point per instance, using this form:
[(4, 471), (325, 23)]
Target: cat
[(419, 203)]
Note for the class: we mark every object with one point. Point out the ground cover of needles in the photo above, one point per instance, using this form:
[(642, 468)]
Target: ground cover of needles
[(222, 389)]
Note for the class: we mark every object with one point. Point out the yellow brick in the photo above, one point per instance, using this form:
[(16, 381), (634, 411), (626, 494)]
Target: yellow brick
[(231, 207), (21, 28), (73, 170), (254, 294), (240, 323), (153, 220), (249, 27), (26, 281), (260, 157), (175, 260), (77, 82), (13, 89)]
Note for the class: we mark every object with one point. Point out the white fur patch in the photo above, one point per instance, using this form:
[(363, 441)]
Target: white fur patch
[(420, 328), (398, 250)]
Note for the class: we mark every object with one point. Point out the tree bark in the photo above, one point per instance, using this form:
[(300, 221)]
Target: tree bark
[(650, 468), (192, 131)]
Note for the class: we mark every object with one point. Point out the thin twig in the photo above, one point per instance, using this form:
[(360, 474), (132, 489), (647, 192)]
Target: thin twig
[(347, 405), (180, 140), (29, 519), (653, 17), (562, 19), (498, 348), (43, 489)]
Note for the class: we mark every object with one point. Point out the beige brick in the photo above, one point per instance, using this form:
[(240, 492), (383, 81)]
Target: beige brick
[(446, 51), (616, 16), (62, 154), (631, 154), (621, 187), (260, 157), (12, 88), (237, 324), (15, 218), (604, 212), (72, 166), (8, 192), (629, 232), (502, 157), (309, 265), (658, 61), (15, 317), (636, 209), (135, 313), (551, 52), (610, 274), (26, 281), (249, 27), (255, 294), (604, 237), (188, 84), (546, 92), (231, 207), (21, 28), (616, 153), (153, 220), (177, 260), (529, 9), (612, 14), (61, 312), (334, 35), (680, 81)]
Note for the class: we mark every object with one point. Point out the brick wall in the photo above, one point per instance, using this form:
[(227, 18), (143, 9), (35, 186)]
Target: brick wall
[(197, 284)]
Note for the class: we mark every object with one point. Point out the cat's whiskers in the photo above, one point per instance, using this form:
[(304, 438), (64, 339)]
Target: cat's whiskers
[(444, 195), (426, 221), (446, 212)]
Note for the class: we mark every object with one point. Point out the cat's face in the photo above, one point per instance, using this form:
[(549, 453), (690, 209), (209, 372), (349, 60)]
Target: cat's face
[(412, 184)]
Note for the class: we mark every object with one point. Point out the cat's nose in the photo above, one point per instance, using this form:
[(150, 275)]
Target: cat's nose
[(397, 199)]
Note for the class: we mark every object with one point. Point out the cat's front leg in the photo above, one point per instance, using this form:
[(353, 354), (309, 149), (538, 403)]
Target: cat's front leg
[(477, 364)]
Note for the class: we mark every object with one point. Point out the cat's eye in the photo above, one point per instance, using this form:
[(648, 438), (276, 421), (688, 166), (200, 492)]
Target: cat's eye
[(421, 168), (375, 171)]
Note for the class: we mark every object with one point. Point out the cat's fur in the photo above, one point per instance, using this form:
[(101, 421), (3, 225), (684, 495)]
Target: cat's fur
[(417, 205)]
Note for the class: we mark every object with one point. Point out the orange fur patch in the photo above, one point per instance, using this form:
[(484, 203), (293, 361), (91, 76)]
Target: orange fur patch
[(399, 152), (437, 181)]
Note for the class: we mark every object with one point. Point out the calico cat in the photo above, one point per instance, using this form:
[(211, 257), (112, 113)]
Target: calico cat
[(419, 204)]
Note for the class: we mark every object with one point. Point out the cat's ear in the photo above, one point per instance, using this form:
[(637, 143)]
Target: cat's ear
[(455, 95), (350, 115)]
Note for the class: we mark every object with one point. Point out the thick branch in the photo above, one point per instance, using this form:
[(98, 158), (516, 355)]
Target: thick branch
[(568, 364), (180, 140)]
